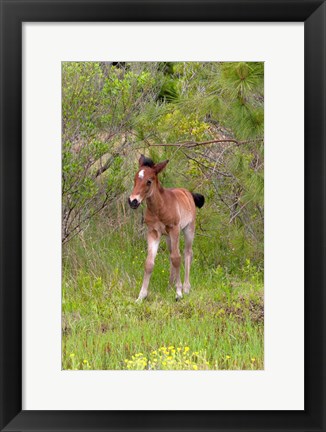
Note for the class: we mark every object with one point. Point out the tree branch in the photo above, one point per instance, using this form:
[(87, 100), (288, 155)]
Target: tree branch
[(190, 144)]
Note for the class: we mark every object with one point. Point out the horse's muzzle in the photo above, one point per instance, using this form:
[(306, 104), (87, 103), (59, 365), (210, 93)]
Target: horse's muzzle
[(134, 203)]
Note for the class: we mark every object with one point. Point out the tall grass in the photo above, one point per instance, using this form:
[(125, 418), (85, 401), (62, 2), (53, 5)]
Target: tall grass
[(220, 324)]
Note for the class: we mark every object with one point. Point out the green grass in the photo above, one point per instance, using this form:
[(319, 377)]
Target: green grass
[(221, 322)]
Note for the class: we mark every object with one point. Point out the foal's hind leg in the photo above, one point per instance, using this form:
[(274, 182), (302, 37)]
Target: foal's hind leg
[(189, 233), (153, 241), (176, 260), (172, 270)]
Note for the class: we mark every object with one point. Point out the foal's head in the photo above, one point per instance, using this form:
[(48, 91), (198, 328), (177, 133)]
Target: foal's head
[(145, 180)]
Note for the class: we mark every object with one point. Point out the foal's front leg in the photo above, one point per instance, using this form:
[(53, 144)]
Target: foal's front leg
[(153, 241)]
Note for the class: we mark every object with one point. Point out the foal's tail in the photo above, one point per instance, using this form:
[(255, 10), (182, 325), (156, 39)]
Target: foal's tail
[(199, 199)]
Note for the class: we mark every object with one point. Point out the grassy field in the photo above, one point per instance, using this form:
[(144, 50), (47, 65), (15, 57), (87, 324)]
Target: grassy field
[(220, 325)]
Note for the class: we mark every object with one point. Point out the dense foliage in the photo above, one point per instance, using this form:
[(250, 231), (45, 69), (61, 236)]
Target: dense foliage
[(112, 112)]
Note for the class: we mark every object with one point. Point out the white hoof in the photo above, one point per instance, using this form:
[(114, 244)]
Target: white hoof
[(178, 297), (186, 289)]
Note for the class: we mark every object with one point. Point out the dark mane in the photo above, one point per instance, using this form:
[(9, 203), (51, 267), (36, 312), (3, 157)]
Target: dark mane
[(147, 162)]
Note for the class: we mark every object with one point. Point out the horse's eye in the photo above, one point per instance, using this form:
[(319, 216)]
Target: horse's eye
[(149, 182)]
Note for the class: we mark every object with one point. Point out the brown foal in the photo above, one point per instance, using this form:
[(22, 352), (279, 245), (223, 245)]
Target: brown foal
[(168, 212)]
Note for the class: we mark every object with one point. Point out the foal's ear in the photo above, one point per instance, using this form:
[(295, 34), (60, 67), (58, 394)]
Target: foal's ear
[(160, 166), (144, 161), (141, 160)]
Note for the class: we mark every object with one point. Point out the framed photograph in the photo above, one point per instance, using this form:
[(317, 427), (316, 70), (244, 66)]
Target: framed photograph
[(162, 223)]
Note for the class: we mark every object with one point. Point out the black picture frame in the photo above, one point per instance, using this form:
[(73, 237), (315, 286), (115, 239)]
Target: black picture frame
[(13, 14)]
